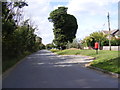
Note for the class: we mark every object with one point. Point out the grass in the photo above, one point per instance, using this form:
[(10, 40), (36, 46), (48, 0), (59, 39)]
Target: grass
[(54, 50), (107, 60), (6, 64)]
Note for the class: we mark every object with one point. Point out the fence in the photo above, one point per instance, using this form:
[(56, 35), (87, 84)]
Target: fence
[(114, 48)]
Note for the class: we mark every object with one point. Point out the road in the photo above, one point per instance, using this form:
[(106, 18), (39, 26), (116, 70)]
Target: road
[(44, 69)]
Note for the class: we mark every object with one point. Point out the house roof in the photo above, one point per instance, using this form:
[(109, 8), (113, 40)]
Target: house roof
[(117, 32), (112, 32)]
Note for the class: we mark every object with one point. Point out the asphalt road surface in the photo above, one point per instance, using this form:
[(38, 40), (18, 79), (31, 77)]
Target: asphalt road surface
[(44, 69)]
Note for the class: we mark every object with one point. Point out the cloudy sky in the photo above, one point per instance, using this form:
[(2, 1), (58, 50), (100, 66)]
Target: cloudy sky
[(91, 15)]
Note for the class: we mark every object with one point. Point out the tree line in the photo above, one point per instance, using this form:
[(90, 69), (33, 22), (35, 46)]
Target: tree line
[(100, 37), (17, 35)]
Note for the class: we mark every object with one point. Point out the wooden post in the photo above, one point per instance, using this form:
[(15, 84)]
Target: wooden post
[(109, 31)]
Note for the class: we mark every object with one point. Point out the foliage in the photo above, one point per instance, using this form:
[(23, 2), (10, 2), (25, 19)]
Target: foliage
[(16, 38), (38, 39), (114, 42), (95, 37), (74, 44), (42, 46), (49, 46), (65, 27), (101, 38), (39, 44)]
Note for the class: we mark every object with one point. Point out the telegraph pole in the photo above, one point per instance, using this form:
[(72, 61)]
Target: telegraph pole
[(109, 31)]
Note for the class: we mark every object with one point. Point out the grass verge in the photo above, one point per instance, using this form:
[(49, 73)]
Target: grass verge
[(11, 62), (107, 60)]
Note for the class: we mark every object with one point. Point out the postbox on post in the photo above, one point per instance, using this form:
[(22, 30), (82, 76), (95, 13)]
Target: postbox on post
[(96, 47)]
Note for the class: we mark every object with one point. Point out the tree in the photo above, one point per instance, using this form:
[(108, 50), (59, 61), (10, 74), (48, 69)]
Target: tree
[(99, 37), (95, 37), (42, 46), (114, 42), (16, 39), (75, 44), (65, 27), (8, 28), (50, 46)]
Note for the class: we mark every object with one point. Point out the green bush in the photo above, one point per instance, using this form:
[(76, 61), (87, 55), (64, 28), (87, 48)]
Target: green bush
[(114, 42), (42, 46)]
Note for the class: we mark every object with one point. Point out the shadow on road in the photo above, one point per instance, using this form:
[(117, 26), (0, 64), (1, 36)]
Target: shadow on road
[(44, 69)]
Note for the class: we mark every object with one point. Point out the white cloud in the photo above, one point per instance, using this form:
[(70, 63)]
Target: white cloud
[(90, 6), (38, 11), (90, 14)]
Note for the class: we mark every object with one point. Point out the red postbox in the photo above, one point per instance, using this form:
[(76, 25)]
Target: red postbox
[(96, 45)]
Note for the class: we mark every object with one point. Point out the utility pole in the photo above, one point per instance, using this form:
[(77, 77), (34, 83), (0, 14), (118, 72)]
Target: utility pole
[(109, 31)]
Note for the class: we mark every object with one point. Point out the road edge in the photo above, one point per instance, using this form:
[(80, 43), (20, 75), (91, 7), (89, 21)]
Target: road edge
[(6, 73), (102, 70)]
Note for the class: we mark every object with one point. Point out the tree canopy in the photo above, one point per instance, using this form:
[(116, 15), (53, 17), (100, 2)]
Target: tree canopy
[(101, 38), (16, 38), (95, 37), (65, 26)]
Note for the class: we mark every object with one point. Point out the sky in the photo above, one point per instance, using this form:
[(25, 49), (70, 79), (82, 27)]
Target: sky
[(91, 16)]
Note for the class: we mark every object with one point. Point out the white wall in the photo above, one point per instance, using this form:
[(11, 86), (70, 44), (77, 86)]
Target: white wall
[(114, 48)]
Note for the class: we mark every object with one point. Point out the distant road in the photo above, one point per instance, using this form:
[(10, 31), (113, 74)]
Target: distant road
[(44, 69)]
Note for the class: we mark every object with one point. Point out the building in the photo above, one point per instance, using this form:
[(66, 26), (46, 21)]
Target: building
[(114, 33)]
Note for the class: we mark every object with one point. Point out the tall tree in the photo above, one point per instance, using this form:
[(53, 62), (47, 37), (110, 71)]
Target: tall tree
[(8, 28), (65, 27), (16, 39)]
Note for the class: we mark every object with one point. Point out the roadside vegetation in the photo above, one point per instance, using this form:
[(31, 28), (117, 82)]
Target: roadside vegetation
[(100, 37), (18, 38), (107, 60)]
